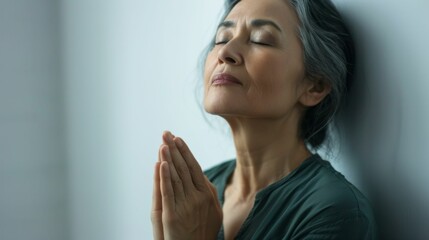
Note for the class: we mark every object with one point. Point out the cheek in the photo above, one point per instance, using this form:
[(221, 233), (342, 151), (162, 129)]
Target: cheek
[(269, 75), (275, 79)]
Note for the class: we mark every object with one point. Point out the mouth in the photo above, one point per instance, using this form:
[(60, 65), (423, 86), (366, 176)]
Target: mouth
[(224, 79)]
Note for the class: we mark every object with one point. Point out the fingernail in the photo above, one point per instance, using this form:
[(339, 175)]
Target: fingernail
[(168, 135)]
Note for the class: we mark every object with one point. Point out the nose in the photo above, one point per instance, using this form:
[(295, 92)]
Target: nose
[(230, 54)]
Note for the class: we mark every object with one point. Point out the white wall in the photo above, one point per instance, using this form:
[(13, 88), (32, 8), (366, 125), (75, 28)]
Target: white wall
[(33, 194), (114, 74), (130, 71)]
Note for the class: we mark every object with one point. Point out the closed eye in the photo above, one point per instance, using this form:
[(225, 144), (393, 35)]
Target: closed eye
[(261, 43), (254, 42), (221, 42)]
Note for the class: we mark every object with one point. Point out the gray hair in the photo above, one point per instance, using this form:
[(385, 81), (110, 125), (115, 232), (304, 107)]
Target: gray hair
[(328, 55)]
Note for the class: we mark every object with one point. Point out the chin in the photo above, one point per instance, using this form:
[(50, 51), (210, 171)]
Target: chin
[(215, 110), (221, 109)]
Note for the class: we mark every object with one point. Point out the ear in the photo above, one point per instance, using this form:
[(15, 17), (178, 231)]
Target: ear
[(315, 90)]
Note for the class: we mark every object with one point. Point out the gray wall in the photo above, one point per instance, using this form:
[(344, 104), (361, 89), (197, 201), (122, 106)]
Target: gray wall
[(384, 130), (33, 193)]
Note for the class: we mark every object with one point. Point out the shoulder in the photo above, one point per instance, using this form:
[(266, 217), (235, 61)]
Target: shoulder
[(331, 189), (331, 200)]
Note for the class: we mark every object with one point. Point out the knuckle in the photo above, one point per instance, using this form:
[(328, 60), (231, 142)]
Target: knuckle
[(182, 169), (177, 182), (168, 196), (170, 219), (201, 186), (193, 166), (155, 217)]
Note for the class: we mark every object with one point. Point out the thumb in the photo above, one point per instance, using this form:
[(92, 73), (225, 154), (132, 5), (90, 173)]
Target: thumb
[(211, 187), (213, 190)]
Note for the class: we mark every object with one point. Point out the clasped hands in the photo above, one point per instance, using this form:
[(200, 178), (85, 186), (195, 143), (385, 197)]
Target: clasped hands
[(185, 203)]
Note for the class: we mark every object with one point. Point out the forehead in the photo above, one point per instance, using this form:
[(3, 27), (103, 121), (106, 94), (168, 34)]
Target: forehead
[(279, 11)]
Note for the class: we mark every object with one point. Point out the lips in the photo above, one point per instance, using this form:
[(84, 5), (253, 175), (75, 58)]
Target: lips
[(224, 78)]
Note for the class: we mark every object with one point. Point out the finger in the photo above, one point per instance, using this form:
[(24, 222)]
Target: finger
[(211, 186), (177, 185), (174, 175), (159, 153), (173, 172), (158, 231), (156, 196), (179, 163), (165, 134), (213, 190), (167, 193), (197, 175)]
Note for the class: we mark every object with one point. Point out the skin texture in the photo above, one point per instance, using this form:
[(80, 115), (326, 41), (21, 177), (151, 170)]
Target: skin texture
[(263, 111), (184, 202)]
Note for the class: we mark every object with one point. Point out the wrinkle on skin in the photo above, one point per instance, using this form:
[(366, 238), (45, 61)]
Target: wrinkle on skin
[(265, 111)]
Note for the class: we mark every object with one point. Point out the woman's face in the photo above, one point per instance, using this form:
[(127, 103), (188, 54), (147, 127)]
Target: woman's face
[(256, 68)]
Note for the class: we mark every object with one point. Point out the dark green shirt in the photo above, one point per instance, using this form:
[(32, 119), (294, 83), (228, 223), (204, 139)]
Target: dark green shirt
[(313, 202)]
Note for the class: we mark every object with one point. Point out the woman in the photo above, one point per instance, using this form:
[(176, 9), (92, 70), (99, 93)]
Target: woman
[(276, 72)]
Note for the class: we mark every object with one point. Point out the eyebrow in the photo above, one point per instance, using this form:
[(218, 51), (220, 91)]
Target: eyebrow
[(254, 23)]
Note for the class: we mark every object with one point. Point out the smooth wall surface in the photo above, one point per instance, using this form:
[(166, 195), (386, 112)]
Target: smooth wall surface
[(33, 193), (130, 73), (87, 87), (385, 127)]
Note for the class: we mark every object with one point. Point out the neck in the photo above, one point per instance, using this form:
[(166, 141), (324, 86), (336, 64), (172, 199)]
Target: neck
[(267, 150)]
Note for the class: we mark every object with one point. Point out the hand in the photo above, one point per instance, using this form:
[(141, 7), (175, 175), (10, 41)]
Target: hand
[(185, 204)]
